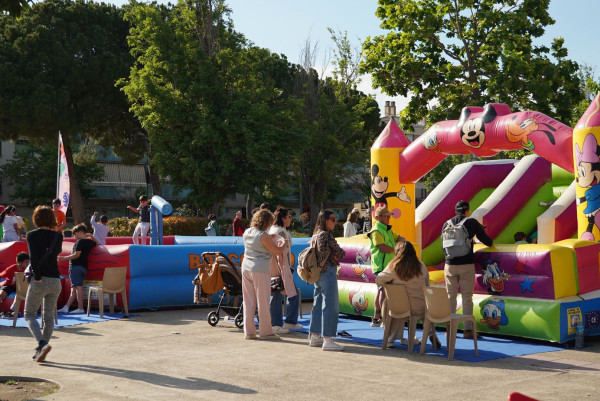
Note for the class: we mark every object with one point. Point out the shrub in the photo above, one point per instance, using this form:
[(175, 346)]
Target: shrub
[(122, 226), (174, 225)]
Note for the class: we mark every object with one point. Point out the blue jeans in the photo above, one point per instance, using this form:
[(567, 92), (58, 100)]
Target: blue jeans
[(291, 309), (326, 305)]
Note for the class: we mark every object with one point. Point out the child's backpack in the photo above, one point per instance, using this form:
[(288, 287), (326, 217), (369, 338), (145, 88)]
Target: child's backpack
[(455, 239), (308, 268)]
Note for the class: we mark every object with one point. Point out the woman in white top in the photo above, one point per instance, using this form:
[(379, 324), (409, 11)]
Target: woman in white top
[(10, 224), (256, 274), (350, 225), (281, 266)]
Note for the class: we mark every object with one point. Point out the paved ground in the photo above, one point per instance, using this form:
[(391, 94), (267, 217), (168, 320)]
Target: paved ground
[(175, 354)]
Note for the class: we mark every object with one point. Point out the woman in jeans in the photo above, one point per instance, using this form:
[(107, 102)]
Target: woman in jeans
[(326, 305), (259, 249), (280, 266), (45, 285)]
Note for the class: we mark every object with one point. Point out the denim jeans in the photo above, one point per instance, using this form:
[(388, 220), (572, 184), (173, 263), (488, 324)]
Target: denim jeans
[(46, 291), (291, 309), (326, 305)]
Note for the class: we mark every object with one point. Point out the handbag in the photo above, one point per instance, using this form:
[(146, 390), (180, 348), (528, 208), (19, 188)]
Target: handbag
[(276, 284), (29, 270)]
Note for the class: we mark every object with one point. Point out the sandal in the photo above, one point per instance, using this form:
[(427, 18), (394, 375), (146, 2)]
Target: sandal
[(404, 341)]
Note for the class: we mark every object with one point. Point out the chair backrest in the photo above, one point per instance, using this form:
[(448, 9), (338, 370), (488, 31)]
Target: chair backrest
[(438, 304), (397, 298), (114, 279), (21, 284)]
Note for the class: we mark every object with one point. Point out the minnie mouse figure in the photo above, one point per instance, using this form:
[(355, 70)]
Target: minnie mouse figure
[(588, 176)]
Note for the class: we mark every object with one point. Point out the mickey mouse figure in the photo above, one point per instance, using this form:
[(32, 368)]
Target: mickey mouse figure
[(472, 132), (588, 176), (379, 187)]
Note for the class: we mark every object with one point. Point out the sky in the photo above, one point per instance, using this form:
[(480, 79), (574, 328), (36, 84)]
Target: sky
[(284, 26)]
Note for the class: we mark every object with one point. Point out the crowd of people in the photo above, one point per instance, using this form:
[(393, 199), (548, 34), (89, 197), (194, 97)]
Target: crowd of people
[(267, 254)]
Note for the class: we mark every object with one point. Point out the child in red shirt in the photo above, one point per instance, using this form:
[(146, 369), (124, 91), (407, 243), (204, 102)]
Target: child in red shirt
[(9, 285)]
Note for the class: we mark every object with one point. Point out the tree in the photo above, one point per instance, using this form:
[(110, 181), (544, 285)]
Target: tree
[(23, 172), (459, 53), (215, 108), (14, 7), (338, 123), (58, 66)]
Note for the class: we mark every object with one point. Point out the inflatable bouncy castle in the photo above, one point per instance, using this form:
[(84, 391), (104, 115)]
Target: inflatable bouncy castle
[(538, 290)]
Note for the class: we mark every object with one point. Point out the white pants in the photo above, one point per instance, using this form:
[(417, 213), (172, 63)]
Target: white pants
[(141, 228)]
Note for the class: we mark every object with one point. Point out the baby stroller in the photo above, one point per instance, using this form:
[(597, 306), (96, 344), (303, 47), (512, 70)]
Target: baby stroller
[(230, 282)]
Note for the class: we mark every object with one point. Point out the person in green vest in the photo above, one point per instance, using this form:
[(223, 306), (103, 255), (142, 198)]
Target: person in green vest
[(383, 241)]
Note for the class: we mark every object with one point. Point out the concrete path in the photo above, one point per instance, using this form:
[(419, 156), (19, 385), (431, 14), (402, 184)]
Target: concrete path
[(175, 354)]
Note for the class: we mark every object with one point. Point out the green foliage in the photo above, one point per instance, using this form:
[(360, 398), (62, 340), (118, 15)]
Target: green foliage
[(214, 108), (172, 225), (338, 124), (590, 85), (58, 66), (184, 211), (184, 225), (471, 53), (14, 7), (23, 172), (122, 226)]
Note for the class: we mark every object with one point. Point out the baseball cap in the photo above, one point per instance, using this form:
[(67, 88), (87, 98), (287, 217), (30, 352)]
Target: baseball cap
[(462, 206), (382, 211)]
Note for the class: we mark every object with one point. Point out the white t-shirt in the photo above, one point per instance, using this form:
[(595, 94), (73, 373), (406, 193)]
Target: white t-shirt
[(349, 229), (100, 231), (8, 225)]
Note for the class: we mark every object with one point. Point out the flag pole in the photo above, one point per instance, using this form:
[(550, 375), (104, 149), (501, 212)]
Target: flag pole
[(58, 168)]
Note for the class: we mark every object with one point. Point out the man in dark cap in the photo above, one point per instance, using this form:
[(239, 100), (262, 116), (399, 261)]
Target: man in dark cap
[(460, 269)]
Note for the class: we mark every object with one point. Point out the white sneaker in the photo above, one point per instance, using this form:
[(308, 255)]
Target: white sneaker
[(77, 311), (290, 326), (64, 309), (330, 345), (315, 340), (280, 330)]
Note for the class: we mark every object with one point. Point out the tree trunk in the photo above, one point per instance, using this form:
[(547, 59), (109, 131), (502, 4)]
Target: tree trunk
[(75, 199), (154, 180), (249, 206)]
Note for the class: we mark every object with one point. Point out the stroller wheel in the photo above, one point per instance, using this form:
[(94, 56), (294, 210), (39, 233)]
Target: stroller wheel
[(213, 318), (239, 321)]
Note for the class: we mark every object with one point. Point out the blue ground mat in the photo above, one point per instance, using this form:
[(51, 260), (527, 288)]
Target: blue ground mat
[(490, 347), (68, 319)]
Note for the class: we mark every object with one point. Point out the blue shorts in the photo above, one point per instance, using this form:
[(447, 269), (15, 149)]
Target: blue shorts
[(76, 274)]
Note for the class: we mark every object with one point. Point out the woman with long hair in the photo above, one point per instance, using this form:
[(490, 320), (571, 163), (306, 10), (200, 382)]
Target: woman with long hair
[(44, 245), (281, 266), (259, 248), (406, 268), (10, 224), (350, 225), (326, 304)]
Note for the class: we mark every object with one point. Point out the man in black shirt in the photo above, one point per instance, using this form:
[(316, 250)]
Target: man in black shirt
[(461, 270), (78, 261)]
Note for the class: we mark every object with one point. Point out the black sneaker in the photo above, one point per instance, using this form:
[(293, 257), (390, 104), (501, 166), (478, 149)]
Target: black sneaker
[(376, 323), (41, 351)]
